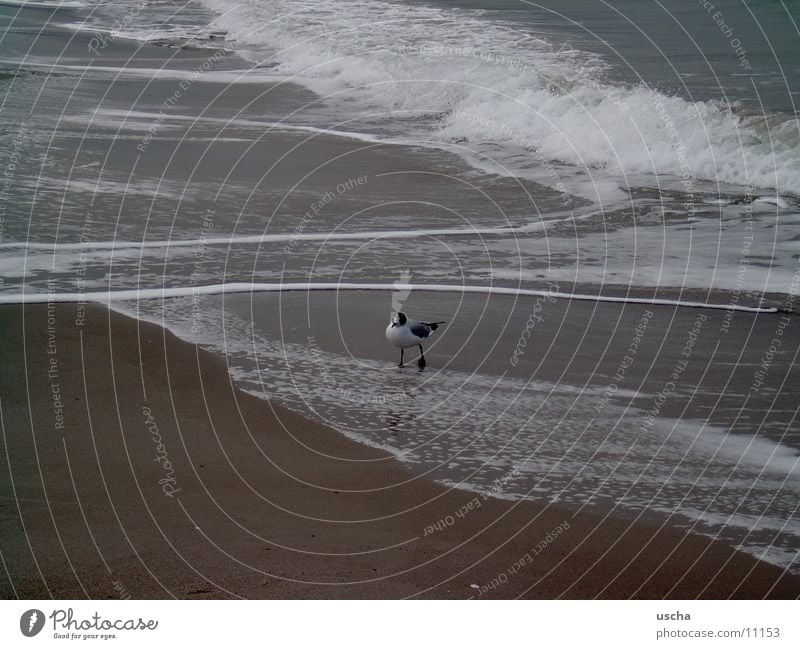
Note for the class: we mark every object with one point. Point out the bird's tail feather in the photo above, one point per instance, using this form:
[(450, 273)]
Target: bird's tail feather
[(434, 325)]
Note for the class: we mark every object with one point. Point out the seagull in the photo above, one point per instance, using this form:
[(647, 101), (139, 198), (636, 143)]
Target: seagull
[(403, 333)]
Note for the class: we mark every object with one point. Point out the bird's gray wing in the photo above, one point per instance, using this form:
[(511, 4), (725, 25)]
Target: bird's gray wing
[(420, 329)]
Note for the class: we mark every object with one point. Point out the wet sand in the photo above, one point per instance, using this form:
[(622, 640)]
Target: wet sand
[(134, 467)]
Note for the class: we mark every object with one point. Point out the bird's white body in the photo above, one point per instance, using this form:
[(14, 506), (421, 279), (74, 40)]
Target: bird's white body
[(401, 336)]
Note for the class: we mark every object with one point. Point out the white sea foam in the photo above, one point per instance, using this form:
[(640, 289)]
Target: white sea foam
[(492, 82), (66, 4), (129, 295), (294, 237), (745, 450)]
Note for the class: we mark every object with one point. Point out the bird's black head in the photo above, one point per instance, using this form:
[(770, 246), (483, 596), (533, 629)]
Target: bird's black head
[(399, 319)]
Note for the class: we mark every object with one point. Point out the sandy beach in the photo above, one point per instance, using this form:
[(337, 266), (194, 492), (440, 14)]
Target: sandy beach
[(135, 468)]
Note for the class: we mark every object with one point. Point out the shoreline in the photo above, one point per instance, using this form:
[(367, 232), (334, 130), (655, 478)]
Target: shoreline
[(267, 504), (102, 297)]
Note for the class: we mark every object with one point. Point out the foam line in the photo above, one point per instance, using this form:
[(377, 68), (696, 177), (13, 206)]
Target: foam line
[(120, 117), (288, 238), (43, 5), (255, 239), (268, 126), (242, 76), (108, 297)]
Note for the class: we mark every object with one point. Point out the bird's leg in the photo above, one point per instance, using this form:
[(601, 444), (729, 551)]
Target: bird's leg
[(421, 361), (401, 357)]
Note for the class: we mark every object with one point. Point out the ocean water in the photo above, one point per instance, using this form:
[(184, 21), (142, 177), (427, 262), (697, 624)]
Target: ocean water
[(541, 79), (504, 153)]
